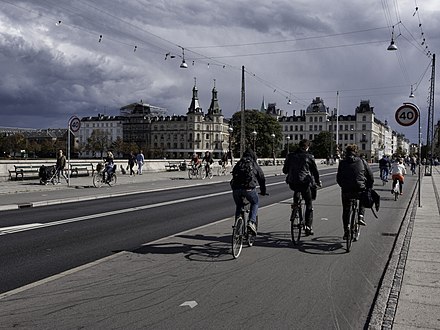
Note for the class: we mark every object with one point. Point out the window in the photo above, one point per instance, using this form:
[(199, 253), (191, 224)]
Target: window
[(310, 137), (364, 118), (363, 146), (320, 119), (310, 128), (207, 136), (364, 127), (351, 137)]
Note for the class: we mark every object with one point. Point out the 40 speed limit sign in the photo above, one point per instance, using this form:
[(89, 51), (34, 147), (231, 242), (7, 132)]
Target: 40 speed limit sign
[(407, 114)]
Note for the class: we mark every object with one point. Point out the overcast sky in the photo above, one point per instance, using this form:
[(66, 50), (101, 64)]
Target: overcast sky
[(107, 54)]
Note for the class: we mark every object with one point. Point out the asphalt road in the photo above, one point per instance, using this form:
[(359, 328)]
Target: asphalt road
[(271, 285)]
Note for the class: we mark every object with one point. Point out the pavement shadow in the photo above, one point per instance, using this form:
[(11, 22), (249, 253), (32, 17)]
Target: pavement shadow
[(324, 245), (214, 249)]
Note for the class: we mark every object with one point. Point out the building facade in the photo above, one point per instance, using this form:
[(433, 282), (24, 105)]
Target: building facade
[(363, 128)]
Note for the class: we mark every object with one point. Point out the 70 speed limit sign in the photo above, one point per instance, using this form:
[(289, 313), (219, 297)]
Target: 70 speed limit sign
[(407, 114)]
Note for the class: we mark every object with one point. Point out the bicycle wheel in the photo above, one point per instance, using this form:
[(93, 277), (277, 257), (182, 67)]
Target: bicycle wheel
[(202, 173), (250, 236), (295, 224), (237, 237), (190, 173), (97, 180), (351, 230), (113, 180), (210, 175)]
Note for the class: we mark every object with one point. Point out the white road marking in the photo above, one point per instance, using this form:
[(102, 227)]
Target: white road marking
[(191, 303)]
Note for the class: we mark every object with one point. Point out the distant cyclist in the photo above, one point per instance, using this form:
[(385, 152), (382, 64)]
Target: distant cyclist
[(246, 175), (398, 171), (195, 160), (384, 167), (108, 169), (354, 175), (303, 176), (208, 161)]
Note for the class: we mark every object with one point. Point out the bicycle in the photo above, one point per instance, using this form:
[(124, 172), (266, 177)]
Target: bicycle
[(204, 174), (195, 171), (240, 232), (384, 176), (221, 170), (297, 220), (98, 177), (354, 229)]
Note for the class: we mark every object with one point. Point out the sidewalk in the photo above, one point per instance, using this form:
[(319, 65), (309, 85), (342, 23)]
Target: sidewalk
[(410, 292)]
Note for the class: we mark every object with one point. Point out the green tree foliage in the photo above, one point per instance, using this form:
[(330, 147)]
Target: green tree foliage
[(322, 144), (265, 125), (99, 140)]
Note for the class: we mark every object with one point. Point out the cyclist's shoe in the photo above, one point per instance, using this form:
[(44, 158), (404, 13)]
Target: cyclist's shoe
[(252, 227), (309, 231), (361, 221)]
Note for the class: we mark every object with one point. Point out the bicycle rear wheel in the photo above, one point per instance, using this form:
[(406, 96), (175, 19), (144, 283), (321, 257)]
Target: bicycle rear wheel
[(353, 223), (113, 180), (295, 224), (237, 237)]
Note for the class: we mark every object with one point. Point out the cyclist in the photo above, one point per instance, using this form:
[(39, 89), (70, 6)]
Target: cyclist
[(208, 161), (195, 160), (354, 175), (246, 174), (384, 167), (398, 171), (303, 177), (108, 169)]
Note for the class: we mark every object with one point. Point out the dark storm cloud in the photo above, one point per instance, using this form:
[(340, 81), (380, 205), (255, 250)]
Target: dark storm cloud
[(51, 72)]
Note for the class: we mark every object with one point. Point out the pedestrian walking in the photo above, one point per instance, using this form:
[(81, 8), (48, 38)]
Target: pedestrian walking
[(140, 161)]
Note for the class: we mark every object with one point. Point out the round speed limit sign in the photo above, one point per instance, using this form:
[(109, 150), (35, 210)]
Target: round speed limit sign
[(75, 124), (407, 114)]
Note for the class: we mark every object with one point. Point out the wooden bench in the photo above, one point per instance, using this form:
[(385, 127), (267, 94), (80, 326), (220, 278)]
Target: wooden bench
[(173, 166), (24, 170), (76, 168)]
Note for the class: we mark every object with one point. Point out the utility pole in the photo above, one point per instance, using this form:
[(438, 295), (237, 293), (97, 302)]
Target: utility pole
[(430, 131), (243, 124)]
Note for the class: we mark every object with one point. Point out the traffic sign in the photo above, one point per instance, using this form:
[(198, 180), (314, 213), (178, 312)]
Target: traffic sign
[(407, 114), (74, 124)]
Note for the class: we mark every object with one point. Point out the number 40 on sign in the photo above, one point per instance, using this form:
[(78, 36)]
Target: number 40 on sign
[(407, 115)]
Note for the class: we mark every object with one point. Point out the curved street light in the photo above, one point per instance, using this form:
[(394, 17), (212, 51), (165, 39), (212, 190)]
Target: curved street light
[(230, 130), (273, 147), (254, 134)]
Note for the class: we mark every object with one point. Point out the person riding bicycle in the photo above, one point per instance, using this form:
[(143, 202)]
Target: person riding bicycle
[(384, 168), (108, 169), (398, 171), (303, 177), (208, 161), (195, 161), (246, 174), (354, 175)]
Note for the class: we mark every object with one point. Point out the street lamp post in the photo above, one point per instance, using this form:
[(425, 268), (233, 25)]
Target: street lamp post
[(254, 134), (273, 147), (288, 139), (230, 130)]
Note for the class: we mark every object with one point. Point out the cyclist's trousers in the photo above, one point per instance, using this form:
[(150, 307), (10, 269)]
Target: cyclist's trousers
[(252, 196), (346, 207), (307, 196)]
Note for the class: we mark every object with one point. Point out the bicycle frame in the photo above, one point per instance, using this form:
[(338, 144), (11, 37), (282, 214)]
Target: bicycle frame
[(240, 231), (354, 228), (297, 220)]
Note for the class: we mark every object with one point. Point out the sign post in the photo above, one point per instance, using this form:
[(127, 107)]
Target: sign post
[(407, 115), (73, 126)]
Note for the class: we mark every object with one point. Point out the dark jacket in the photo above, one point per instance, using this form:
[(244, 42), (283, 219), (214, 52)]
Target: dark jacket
[(301, 169), (258, 175), (354, 174), (384, 162)]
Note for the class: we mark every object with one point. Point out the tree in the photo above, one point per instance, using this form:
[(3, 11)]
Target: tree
[(322, 144), (98, 141), (265, 125)]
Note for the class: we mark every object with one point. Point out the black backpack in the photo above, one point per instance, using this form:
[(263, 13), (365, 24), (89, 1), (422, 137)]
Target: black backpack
[(242, 174)]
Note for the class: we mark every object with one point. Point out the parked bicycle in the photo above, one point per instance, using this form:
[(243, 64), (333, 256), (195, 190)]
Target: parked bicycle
[(101, 177), (297, 219), (354, 229), (240, 232)]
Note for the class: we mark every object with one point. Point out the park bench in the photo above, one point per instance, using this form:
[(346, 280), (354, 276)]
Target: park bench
[(24, 170), (77, 168), (174, 166)]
